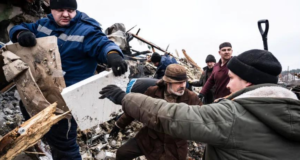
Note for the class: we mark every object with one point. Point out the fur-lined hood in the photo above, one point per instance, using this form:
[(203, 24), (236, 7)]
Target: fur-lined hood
[(269, 91), (275, 106)]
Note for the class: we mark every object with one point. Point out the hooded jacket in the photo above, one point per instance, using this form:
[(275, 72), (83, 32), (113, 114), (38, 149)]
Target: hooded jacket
[(209, 97), (165, 61), (258, 122), (81, 44)]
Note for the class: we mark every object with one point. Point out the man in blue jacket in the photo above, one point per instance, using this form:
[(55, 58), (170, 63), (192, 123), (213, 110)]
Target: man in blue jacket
[(82, 45), (161, 62)]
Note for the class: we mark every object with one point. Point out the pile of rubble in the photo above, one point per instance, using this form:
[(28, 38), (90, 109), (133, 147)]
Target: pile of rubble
[(14, 12), (10, 114), (97, 144)]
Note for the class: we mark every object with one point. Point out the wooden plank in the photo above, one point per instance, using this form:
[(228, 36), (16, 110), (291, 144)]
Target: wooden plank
[(29, 133)]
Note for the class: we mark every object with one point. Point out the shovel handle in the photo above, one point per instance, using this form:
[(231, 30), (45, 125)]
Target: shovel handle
[(264, 33)]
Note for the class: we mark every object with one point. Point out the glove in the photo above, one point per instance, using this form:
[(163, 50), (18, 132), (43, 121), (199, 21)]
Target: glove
[(201, 96), (113, 93), (114, 132), (117, 63), (26, 39)]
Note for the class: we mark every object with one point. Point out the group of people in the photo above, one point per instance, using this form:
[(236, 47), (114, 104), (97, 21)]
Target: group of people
[(257, 119), (245, 115)]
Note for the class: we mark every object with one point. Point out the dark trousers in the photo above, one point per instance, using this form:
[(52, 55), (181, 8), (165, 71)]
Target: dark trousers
[(129, 150), (63, 146)]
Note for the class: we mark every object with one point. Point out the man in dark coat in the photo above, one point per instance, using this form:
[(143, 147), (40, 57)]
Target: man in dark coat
[(207, 71), (155, 145)]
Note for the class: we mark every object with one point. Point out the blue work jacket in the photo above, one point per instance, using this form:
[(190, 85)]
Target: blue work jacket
[(82, 44)]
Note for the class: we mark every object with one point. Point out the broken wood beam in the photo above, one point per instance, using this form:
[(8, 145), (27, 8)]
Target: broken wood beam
[(177, 53), (147, 42), (29, 133), (189, 59)]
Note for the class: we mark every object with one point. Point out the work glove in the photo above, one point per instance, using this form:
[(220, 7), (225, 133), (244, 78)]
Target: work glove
[(117, 63), (27, 39), (201, 96), (113, 93), (190, 82), (114, 132)]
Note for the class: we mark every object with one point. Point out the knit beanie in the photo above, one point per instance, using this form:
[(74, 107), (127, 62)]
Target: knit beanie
[(210, 58), (256, 66), (63, 4), (155, 57), (225, 44)]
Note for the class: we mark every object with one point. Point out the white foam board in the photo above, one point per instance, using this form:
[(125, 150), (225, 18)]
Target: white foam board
[(83, 100)]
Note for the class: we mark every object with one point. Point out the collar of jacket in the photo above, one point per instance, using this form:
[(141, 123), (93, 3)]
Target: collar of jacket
[(251, 88), (220, 63), (72, 22), (159, 93), (208, 69)]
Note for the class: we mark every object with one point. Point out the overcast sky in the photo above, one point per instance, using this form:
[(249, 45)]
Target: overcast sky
[(199, 26)]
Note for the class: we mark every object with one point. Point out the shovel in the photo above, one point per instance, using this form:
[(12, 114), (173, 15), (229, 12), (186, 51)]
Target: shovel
[(264, 33)]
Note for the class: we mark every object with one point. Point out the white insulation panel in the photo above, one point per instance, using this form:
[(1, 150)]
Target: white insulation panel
[(83, 100)]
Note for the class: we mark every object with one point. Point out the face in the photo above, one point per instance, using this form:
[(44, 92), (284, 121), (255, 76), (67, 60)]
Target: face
[(210, 64), (236, 83), (176, 88), (225, 53), (63, 17)]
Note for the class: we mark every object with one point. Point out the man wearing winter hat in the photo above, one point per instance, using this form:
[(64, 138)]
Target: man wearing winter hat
[(207, 71), (219, 77), (155, 145), (82, 45), (259, 120), (161, 62)]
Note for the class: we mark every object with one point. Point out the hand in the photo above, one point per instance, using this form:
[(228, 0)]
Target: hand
[(26, 39), (113, 93), (117, 63), (114, 132), (201, 96)]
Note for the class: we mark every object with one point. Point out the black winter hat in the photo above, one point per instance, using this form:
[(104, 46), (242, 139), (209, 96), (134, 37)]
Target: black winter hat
[(210, 58), (155, 57), (63, 4), (256, 66), (225, 44)]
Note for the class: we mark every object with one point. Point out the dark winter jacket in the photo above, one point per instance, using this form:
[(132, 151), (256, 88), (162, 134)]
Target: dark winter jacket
[(209, 97), (218, 79), (156, 145), (165, 61), (260, 122), (82, 44)]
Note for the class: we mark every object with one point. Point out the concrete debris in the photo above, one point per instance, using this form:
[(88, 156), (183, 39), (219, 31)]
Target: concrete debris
[(15, 12), (97, 143), (10, 114)]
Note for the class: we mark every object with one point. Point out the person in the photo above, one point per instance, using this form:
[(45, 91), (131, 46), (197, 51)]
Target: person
[(82, 45), (259, 120), (219, 77), (155, 145), (140, 85), (207, 71), (161, 62)]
